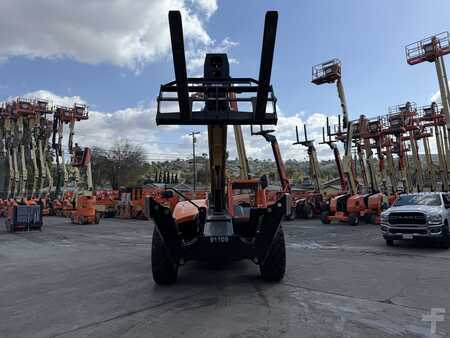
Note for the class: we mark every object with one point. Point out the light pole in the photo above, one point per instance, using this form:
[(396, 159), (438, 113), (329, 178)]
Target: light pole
[(193, 157)]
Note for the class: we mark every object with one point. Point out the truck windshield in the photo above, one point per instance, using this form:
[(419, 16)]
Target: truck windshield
[(431, 200)]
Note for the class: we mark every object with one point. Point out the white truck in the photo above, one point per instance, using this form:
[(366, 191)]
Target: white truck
[(416, 216)]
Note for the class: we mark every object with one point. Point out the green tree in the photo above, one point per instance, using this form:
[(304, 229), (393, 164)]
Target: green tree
[(122, 165)]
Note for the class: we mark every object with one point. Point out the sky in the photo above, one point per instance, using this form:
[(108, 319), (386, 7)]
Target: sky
[(113, 55)]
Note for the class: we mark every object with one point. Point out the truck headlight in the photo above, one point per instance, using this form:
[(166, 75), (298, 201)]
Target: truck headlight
[(434, 219), (384, 218)]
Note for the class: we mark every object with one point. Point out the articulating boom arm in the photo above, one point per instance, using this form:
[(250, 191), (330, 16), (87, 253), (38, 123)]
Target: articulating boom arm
[(277, 155), (347, 160), (312, 154), (337, 157)]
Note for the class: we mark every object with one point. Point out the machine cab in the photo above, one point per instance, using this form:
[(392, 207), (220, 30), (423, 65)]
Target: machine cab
[(242, 195)]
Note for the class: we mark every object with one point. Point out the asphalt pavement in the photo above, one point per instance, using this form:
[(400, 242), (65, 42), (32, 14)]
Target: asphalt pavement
[(341, 281)]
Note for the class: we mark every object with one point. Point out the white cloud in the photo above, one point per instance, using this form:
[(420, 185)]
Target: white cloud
[(126, 33), (196, 57), (436, 97), (209, 6)]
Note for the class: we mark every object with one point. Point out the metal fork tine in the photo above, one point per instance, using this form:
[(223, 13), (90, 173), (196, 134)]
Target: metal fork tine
[(265, 70), (179, 62)]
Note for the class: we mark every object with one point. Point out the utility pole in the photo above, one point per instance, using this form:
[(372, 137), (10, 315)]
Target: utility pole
[(193, 157)]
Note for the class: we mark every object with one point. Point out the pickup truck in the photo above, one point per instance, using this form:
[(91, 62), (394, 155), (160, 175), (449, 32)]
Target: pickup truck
[(416, 216)]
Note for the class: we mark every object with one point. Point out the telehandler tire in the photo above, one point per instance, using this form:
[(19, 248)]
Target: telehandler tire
[(164, 269), (324, 217), (353, 219), (308, 211), (274, 266)]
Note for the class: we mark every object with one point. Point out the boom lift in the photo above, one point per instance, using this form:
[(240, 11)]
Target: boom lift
[(40, 108), (375, 131), (44, 133), (21, 213), (337, 157), (23, 110), (391, 169), (330, 72), (401, 121), (433, 49), (209, 230), (407, 115), (284, 181), (365, 130), (62, 115), (312, 155), (310, 202), (13, 127), (65, 115), (350, 206), (3, 158), (359, 158), (85, 211), (433, 117), (8, 125)]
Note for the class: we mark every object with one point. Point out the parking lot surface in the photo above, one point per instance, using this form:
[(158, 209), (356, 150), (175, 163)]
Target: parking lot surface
[(341, 281)]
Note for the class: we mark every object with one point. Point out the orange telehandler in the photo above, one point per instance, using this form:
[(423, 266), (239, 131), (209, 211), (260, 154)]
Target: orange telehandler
[(212, 229)]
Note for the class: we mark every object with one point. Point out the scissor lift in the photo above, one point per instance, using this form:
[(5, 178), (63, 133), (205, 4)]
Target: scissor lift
[(206, 230), (433, 49)]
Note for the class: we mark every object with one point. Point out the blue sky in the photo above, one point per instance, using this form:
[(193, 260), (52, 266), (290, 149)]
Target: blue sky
[(79, 58)]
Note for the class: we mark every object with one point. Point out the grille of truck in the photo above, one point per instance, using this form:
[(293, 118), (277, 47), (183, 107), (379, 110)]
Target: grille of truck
[(407, 218)]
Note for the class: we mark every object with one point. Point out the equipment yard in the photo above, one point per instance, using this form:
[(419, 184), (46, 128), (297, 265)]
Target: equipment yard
[(152, 184), (95, 280)]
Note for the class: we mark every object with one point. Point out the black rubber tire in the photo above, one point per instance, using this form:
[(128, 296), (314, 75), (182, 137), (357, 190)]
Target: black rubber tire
[(324, 217), (353, 219), (444, 242), (308, 211), (367, 216), (291, 216), (389, 242), (299, 211), (164, 269), (8, 226), (274, 266)]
